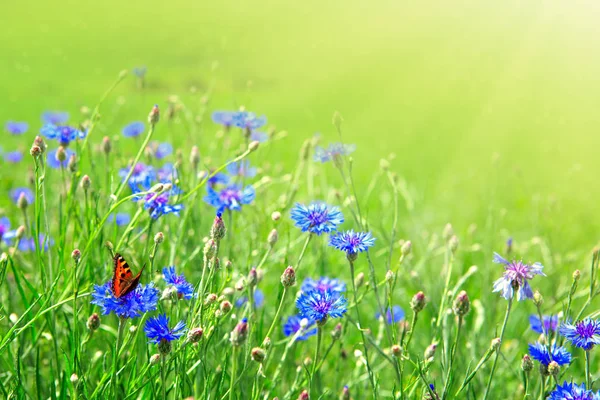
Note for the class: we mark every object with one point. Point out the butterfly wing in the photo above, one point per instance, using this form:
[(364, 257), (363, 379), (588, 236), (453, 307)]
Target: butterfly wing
[(123, 281)]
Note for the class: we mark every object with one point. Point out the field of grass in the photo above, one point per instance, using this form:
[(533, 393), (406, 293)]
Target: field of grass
[(486, 113)]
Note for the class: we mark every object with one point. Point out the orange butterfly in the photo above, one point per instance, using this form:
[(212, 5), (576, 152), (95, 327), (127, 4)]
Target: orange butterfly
[(123, 281)]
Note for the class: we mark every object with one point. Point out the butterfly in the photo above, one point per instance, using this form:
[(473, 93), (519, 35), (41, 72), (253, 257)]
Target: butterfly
[(123, 281)]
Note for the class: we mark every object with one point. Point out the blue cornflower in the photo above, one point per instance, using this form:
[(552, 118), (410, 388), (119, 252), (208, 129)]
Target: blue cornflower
[(13, 156), (55, 117), (16, 193), (393, 315), (53, 162), (584, 334), (157, 329), (28, 244), (141, 177), (316, 217), (248, 120), (258, 136), (224, 118), (241, 168), (550, 323), (143, 299), (64, 134), (571, 391), (5, 232), (134, 129), (293, 325), (231, 197), (16, 128), (167, 173), (161, 150), (324, 284), (318, 306), (184, 288), (540, 353), (140, 72), (333, 152), (516, 276), (158, 204), (218, 179), (121, 219), (259, 299), (351, 242)]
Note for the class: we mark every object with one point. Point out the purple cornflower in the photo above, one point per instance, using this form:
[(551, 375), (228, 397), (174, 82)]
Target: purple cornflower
[(392, 315), (157, 329), (63, 134), (53, 162), (248, 120), (231, 197), (324, 284), (572, 391), (584, 334), (161, 150), (121, 219), (55, 117), (16, 128), (5, 232), (258, 136), (158, 204), (13, 156), (224, 118), (140, 72), (16, 193), (319, 306), (351, 242), (540, 353), (143, 299), (333, 152), (241, 168), (134, 129), (259, 299), (316, 217), (550, 323), (184, 288), (293, 325), (516, 277)]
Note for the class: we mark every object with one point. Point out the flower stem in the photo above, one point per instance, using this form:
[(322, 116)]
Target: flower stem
[(120, 331), (233, 372), (489, 384), (588, 376), (276, 318), (452, 355), (317, 353), (310, 235), (163, 378)]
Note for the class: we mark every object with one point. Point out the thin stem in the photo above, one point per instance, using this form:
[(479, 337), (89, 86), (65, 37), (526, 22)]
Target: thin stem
[(276, 318), (317, 352), (542, 387), (489, 384), (452, 355), (310, 235), (233, 367), (588, 376), (412, 329), (120, 331), (163, 378)]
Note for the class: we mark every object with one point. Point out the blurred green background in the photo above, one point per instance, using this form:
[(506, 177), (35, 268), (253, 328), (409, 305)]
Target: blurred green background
[(490, 107)]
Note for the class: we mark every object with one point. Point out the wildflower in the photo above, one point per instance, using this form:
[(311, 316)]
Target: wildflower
[(540, 353), (324, 284), (55, 117), (572, 391), (584, 334), (64, 134), (52, 158), (294, 324), (239, 333), (134, 129), (333, 152), (16, 128), (318, 305), (121, 219), (392, 315), (133, 304), (516, 277), (13, 156), (5, 232), (241, 168), (158, 204), (157, 329), (218, 229), (248, 120), (351, 242), (16, 193), (550, 323), (231, 197), (316, 218), (184, 288), (259, 137), (526, 363), (224, 118), (259, 299), (161, 150), (225, 306), (142, 176), (28, 244)]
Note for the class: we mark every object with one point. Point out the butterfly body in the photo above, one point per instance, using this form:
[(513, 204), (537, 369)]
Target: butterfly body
[(124, 282)]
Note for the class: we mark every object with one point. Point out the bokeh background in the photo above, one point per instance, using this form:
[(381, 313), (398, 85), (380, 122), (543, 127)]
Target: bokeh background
[(489, 107)]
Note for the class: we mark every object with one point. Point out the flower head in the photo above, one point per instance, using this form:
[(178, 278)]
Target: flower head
[(572, 391), (392, 315), (259, 299), (121, 219), (224, 118), (516, 277), (293, 325), (323, 284), (161, 150), (64, 134), (17, 192), (16, 128), (316, 217), (584, 334), (157, 329), (142, 176), (134, 129), (540, 352), (158, 204), (248, 120), (319, 306), (55, 117), (5, 232), (184, 288), (259, 136), (550, 323), (333, 151), (231, 197), (53, 161), (143, 299), (241, 168), (351, 242), (27, 244), (13, 156)]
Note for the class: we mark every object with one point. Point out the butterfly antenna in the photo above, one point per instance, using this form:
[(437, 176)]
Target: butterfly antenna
[(110, 248)]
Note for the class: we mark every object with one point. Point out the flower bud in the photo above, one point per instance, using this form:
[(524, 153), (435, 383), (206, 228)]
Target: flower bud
[(194, 335), (418, 302), (132, 328), (228, 265), (210, 298), (86, 182), (267, 343), (359, 280), (155, 359), (288, 278), (453, 244), (389, 276), (252, 277), (74, 379), (76, 255), (430, 351), (159, 238), (164, 346), (72, 164), (22, 202), (210, 249), (303, 395), (276, 216), (345, 393), (496, 343), (253, 146), (154, 115), (258, 354), (218, 230), (240, 284), (553, 368), (61, 154), (461, 305), (406, 248), (225, 306), (106, 145), (448, 232), (93, 322), (526, 363), (576, 275), (396, 351), (336, 333), (20, 232), (39, 142), (195, 156), (538, 300), (35, 151), (273, 237), (239, 333)]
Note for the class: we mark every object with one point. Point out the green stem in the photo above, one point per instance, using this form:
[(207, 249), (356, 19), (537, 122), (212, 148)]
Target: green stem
[(489, 383), (276, 318), (452, 355), (317, 353), (163, 378), (310, 235), (233, 367), (120, 331), (588, 376)]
